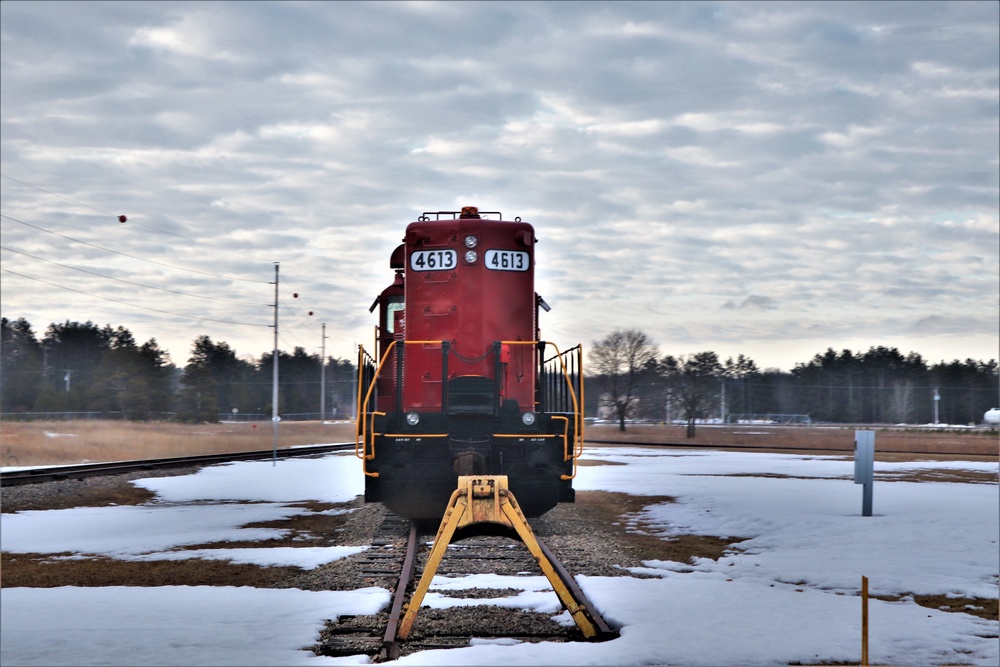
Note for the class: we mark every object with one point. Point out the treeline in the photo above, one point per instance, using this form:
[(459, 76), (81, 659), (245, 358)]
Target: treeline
[(82, 367), (630, 379)]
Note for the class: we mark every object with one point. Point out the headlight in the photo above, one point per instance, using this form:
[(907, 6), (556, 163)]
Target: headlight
[(471, 242), (471, 256), (412, 418), (528, 418)]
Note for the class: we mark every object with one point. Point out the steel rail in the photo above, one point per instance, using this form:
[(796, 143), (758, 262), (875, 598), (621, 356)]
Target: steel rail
[(52, 473), (390, 645)]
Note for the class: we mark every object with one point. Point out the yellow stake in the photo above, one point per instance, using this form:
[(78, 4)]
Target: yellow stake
[(864, 621)]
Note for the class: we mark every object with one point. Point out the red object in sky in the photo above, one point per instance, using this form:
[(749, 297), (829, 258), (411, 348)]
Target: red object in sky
[(122, 218)]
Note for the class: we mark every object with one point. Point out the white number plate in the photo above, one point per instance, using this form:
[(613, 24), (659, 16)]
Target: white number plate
[(507, 260), (433, 260)]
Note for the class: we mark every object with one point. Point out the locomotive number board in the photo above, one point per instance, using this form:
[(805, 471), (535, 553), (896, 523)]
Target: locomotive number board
[(443, 260), (507, 260), (433, 260)]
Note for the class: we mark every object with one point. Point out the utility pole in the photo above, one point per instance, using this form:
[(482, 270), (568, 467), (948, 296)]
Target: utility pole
[(322, 378), (274, 375)]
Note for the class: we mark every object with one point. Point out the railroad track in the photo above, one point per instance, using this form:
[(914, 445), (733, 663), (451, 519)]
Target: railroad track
[(48, 474), (398, 550), (36, 475)]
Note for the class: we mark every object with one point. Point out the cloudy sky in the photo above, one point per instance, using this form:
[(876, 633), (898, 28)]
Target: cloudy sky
[(770, 179)]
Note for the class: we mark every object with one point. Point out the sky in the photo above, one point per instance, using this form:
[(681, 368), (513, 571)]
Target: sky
[(766, 179), (789, 594)]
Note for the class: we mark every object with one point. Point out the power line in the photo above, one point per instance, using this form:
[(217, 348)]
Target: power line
[(128, 282), (133, 305), (120, 218), (78, 203), (141, 259)]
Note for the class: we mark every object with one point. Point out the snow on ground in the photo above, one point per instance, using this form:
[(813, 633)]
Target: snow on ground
[(790, 593)]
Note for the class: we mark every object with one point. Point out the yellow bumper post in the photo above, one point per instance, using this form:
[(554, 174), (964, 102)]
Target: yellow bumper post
[(486, 499)]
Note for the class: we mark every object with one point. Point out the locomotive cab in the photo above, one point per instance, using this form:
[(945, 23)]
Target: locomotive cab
[(460, 384)]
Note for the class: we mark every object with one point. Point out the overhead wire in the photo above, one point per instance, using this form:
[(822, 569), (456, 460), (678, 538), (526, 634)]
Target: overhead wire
[(134, 305), (48, 192), (125, 254), (129, 282), (131, 222), (163, 231)]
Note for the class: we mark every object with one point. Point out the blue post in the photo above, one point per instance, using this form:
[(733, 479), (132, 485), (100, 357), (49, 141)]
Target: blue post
[(864, 467)]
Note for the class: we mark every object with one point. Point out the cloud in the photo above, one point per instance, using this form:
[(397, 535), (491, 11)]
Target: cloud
[(804, 165), (753, 301)]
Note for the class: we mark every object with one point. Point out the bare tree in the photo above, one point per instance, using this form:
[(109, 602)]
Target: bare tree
[(620, 359), (694, 383)]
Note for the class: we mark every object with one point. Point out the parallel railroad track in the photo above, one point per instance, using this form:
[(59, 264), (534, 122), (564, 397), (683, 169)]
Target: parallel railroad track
[(36, 475)]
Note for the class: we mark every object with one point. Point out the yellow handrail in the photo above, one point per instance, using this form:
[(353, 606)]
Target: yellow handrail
[(361, 431), (566, 456), (577, 412), (368, 457), (359, 412)]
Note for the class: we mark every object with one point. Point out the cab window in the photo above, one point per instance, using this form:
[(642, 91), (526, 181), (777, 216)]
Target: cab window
[(395, 304)]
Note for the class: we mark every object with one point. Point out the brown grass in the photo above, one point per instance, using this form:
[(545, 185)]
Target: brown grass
[(823, 439), (303, 530), (68, 442), (981, 607), (45, 571), (614, 507)]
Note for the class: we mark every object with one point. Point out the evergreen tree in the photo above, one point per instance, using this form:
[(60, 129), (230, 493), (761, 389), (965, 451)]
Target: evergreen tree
[(72, 352), (20, 366), (131, 380), (742, 375), (213, 380)]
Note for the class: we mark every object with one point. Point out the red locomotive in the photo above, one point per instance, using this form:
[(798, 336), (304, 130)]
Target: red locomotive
[(461, 383)]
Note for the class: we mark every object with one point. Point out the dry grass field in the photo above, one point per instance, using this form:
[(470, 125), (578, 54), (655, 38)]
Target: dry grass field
[(839, 438), (68, 442)]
